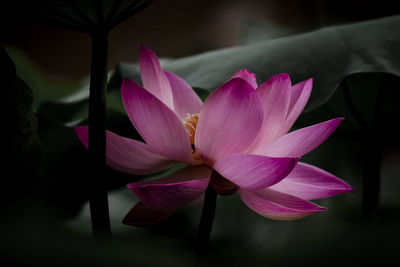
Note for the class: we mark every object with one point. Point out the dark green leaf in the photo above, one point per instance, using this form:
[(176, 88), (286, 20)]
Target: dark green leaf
[(64, 166), (328, 55), (369, 104), (256, 30), (85, 15), (21, 141), (45, 89)]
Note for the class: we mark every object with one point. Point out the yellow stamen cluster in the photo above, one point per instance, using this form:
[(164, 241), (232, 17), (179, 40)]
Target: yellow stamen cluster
[(190, 123)]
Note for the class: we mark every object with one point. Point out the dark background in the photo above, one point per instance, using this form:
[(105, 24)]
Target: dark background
[(53, 226), (178, 28)]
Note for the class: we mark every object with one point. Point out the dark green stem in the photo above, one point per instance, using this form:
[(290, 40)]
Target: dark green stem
[(97, 137), (371, 179), (354, 111), (372, 162), (206, 221)]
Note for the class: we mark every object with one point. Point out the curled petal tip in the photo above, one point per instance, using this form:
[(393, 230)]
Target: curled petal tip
[(310, 81), (280, 76), (130, 186), (283, 75), (349, 190), (336, 122), (77, 129), (246, 75), (82, 132), (143, 47), (125, 81), (145, 52), (346, 188), (237, 80), (240, 82), (247, 72)]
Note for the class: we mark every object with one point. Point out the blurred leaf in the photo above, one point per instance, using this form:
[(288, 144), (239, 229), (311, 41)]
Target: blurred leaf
[(328, 55), (44, 88), (60, 165), (88, 16), (357, 100), (72, 109), (20, 135), (60, 100), (64, 166), (257, 30), (203, 94)]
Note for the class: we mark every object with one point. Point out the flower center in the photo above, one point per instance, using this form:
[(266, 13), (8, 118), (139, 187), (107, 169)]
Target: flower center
[(190, 124)]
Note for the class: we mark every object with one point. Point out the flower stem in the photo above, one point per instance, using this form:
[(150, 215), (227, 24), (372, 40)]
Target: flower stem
[(206, 221), (372, 162), (97, 137), (371, 179), (354, 111)]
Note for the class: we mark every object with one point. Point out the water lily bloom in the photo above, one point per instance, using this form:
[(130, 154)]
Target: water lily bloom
[(236, 141)]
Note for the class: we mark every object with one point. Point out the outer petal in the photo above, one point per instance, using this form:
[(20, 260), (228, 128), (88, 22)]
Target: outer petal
[(309, 182), (221, 185), (175, 190), (157, 124), (298, 100), (185, 99), (127, 155), (302, 141), (230, 119), (278, 206), (142, 215), (253, 171), (275, 97), (247, 76), (153, 77)]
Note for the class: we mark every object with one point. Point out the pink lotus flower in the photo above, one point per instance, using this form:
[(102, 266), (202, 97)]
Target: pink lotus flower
[(240, 132)]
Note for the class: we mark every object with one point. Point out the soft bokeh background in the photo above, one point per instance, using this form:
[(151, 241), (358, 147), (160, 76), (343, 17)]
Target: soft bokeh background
[(178, 28), (52, 225)]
